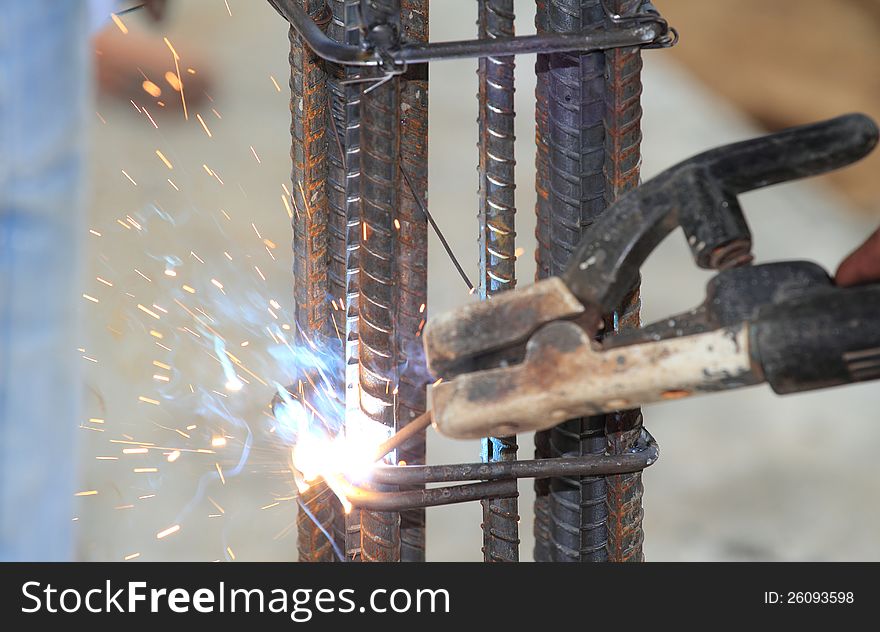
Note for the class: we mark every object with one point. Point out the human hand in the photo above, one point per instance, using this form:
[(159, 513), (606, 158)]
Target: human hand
[(863, 265)]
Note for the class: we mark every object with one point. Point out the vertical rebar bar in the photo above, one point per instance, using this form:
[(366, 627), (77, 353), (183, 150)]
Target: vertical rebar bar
[(412, 256), (308, 106), (576, 153), (344, 190), (623, 114), (497, 239), (541, 528), (378, 259)]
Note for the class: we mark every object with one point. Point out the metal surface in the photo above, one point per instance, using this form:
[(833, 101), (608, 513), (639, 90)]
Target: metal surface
[(464, 341), (379, 367), (541, 529), (412, 263), (564, 374), (643, 453), (497, 238), (499, 479), (648, 30), (343, 187), (308, 109), (623, 135), (576, 157), (387, 502)]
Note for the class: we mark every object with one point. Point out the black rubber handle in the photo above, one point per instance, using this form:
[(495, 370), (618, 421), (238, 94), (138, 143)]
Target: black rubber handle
[(794, 153), (700, 195), (826, 338)]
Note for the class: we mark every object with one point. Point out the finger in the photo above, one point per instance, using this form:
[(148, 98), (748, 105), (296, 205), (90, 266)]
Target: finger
[(863, 265)]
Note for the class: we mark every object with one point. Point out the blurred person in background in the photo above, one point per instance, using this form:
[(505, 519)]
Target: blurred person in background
[(46, 57)]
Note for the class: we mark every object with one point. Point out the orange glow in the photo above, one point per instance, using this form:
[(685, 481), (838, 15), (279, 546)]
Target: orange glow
[(173, 81), (151, 88)]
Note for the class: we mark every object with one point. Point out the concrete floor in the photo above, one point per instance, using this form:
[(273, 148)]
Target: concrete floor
[(744, 476)]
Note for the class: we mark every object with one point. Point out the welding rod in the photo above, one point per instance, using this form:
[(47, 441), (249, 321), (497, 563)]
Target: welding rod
[(410, 430)]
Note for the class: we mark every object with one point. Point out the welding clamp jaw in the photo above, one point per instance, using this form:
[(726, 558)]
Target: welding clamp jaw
[(531, 358)]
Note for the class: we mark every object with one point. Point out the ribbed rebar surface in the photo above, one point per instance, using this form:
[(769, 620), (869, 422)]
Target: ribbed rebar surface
[(379, 296), (308, 108), (412, 261), (344, 192), (497, 239), (623, 135), (541, 527), (576, 154)]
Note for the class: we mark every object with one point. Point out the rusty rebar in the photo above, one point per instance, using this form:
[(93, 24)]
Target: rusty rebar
[(497, 239), (412, 263), (643, 453), (576, 155), (378, 274), (623, 114), (344, 191), (308, 106)]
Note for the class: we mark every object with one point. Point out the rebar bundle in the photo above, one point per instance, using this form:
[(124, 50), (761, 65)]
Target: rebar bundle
[(360, 181)]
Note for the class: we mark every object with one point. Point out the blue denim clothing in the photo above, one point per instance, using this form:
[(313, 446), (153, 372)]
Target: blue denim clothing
[(45, 90)]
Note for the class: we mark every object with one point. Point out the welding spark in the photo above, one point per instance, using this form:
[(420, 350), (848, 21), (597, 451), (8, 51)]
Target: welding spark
[(151, 88), (164, 159), (118, 22), (166, 532), (179, 81)]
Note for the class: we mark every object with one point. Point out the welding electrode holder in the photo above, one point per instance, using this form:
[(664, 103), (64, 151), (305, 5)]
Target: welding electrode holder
[(784, 323)]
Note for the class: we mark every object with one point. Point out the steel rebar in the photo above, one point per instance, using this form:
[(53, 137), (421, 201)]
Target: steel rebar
[(541, 529), (412, 263), (308, 106), (642, 34), (497, 239), (378, 274), (623, 112), (344, 192), (643, 453), (577, 511)]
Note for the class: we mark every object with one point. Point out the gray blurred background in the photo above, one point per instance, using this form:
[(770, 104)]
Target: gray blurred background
[(743, 476)]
